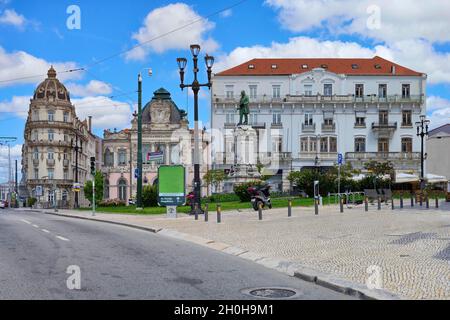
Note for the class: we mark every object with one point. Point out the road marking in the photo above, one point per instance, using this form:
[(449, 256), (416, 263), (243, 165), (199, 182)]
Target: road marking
[(23, 220), (35, 225), (46, 231), (62, 238)]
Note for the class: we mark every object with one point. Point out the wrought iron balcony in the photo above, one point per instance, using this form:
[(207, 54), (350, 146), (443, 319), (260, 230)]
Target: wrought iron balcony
[(50, 162), (382, 156), (308, 127), (328, 127)]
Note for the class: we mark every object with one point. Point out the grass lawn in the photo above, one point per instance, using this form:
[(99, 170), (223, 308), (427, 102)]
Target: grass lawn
[(230, 205)]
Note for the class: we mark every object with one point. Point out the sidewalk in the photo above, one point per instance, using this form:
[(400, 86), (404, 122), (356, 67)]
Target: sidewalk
[(411, 246)]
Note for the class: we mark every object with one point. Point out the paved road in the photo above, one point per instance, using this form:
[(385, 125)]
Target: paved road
[(118, 262)]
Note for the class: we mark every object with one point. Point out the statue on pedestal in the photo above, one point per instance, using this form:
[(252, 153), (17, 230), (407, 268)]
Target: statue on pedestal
[(243, 109)]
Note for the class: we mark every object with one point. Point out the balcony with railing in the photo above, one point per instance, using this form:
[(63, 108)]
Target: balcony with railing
[(384, 128), (328, 127), (308, 127), (382, 156), (349, 98), (50, 162)]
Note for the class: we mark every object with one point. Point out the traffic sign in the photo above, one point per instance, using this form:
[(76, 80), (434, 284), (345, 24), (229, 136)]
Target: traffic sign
[(340, 158), (136, 173)]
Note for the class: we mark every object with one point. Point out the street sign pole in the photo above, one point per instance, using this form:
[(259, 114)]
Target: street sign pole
[(93, 196)]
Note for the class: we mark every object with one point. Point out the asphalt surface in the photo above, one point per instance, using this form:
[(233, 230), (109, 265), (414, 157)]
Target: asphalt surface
[(118, 262)]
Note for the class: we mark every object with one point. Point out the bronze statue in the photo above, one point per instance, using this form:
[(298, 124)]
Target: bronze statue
[(243, 108)]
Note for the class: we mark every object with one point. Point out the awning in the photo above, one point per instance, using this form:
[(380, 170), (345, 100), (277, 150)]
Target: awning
[(434, 178), (401, 177)]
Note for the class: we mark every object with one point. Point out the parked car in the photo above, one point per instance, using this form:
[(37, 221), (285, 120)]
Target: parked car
[(3, 204)]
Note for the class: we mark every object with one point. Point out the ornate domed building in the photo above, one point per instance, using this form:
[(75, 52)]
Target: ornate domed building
[(57, 147)]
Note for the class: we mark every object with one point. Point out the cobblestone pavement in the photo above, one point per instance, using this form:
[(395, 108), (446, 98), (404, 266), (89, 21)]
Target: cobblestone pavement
[(412, 246)]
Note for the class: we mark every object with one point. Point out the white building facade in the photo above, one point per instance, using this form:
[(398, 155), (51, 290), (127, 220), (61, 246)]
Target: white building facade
[(306, 111)]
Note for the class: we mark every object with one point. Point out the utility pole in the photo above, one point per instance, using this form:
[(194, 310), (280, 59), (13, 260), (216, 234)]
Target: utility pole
[(195, 86), (77, 148), (6, 141)]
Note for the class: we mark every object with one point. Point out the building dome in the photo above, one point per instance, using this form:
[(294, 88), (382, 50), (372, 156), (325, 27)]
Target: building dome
[(162, 109), (51, 88)]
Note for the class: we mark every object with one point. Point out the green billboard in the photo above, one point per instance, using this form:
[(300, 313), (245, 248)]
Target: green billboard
[(171, 186)]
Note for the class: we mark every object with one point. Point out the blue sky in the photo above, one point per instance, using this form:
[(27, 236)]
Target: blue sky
[(34, 34)]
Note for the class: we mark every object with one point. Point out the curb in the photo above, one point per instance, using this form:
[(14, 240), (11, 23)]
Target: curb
[(294, 269)]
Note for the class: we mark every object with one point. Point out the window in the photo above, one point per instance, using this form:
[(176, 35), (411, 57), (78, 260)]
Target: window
[(122, 157), (36, 173), (106, 189), (66, 174), (277, 144), (377, 66), (308, 119), (383, 145), (66, 117), (304, 66), (35, 115), (360, 121), (407, 145), (382, 90), (324, 144), (354, 66), (66, 136), (308, 89), (253, 91), (51, 135), (229, 91), (405, 90), (274, 66), (276, 118), (64, 195), (251, 66), (333, 144), (51, 116), (109, 158), (36, 154), (328, 118), (122, 186), (327, 89), (50, 154), (304, 144), (359, 90), (230, 118), (312, 144), (51, 174), (406, 118), (34, 135), (276, 91), (383, 117), (360, 144)]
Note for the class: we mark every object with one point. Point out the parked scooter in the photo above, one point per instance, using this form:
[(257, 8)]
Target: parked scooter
[(260, 196)]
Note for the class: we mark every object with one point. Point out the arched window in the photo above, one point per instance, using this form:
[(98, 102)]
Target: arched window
[(106, 189), (109, 158), (36, 153), (122, 186)]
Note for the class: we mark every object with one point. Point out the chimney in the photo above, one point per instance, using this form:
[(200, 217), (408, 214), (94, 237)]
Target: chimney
[(393, 69), (90, 124)]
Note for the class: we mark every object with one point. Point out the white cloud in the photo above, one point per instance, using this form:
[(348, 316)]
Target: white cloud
[(16, 154), (17, 105), (20, 64), (423, 58), (162, 20), (227, 13), (438, 111), (106, 113), (11, 17), (93, 88), (398, 20)]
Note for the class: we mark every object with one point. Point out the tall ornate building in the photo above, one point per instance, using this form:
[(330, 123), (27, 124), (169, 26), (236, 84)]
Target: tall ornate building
[(166, 139), (57, 147)]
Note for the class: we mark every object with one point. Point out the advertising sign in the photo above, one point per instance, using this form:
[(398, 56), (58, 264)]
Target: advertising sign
[(155, 156), (171, 186)]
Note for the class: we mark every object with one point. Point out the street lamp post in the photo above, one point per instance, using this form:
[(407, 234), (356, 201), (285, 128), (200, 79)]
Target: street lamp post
[(195, 86), (77, 148), (139, 142), (422, 132)]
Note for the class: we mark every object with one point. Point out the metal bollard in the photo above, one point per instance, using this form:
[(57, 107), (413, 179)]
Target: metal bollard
[(206, 212), (379, 203), (427, 202), (260, 211), (421, 199), (412, 200), (366, 203), (219, 213), (437, 202), (401, 201), (341, 205), (196, 211), (392, 203), (289, 207), (316, 207)]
